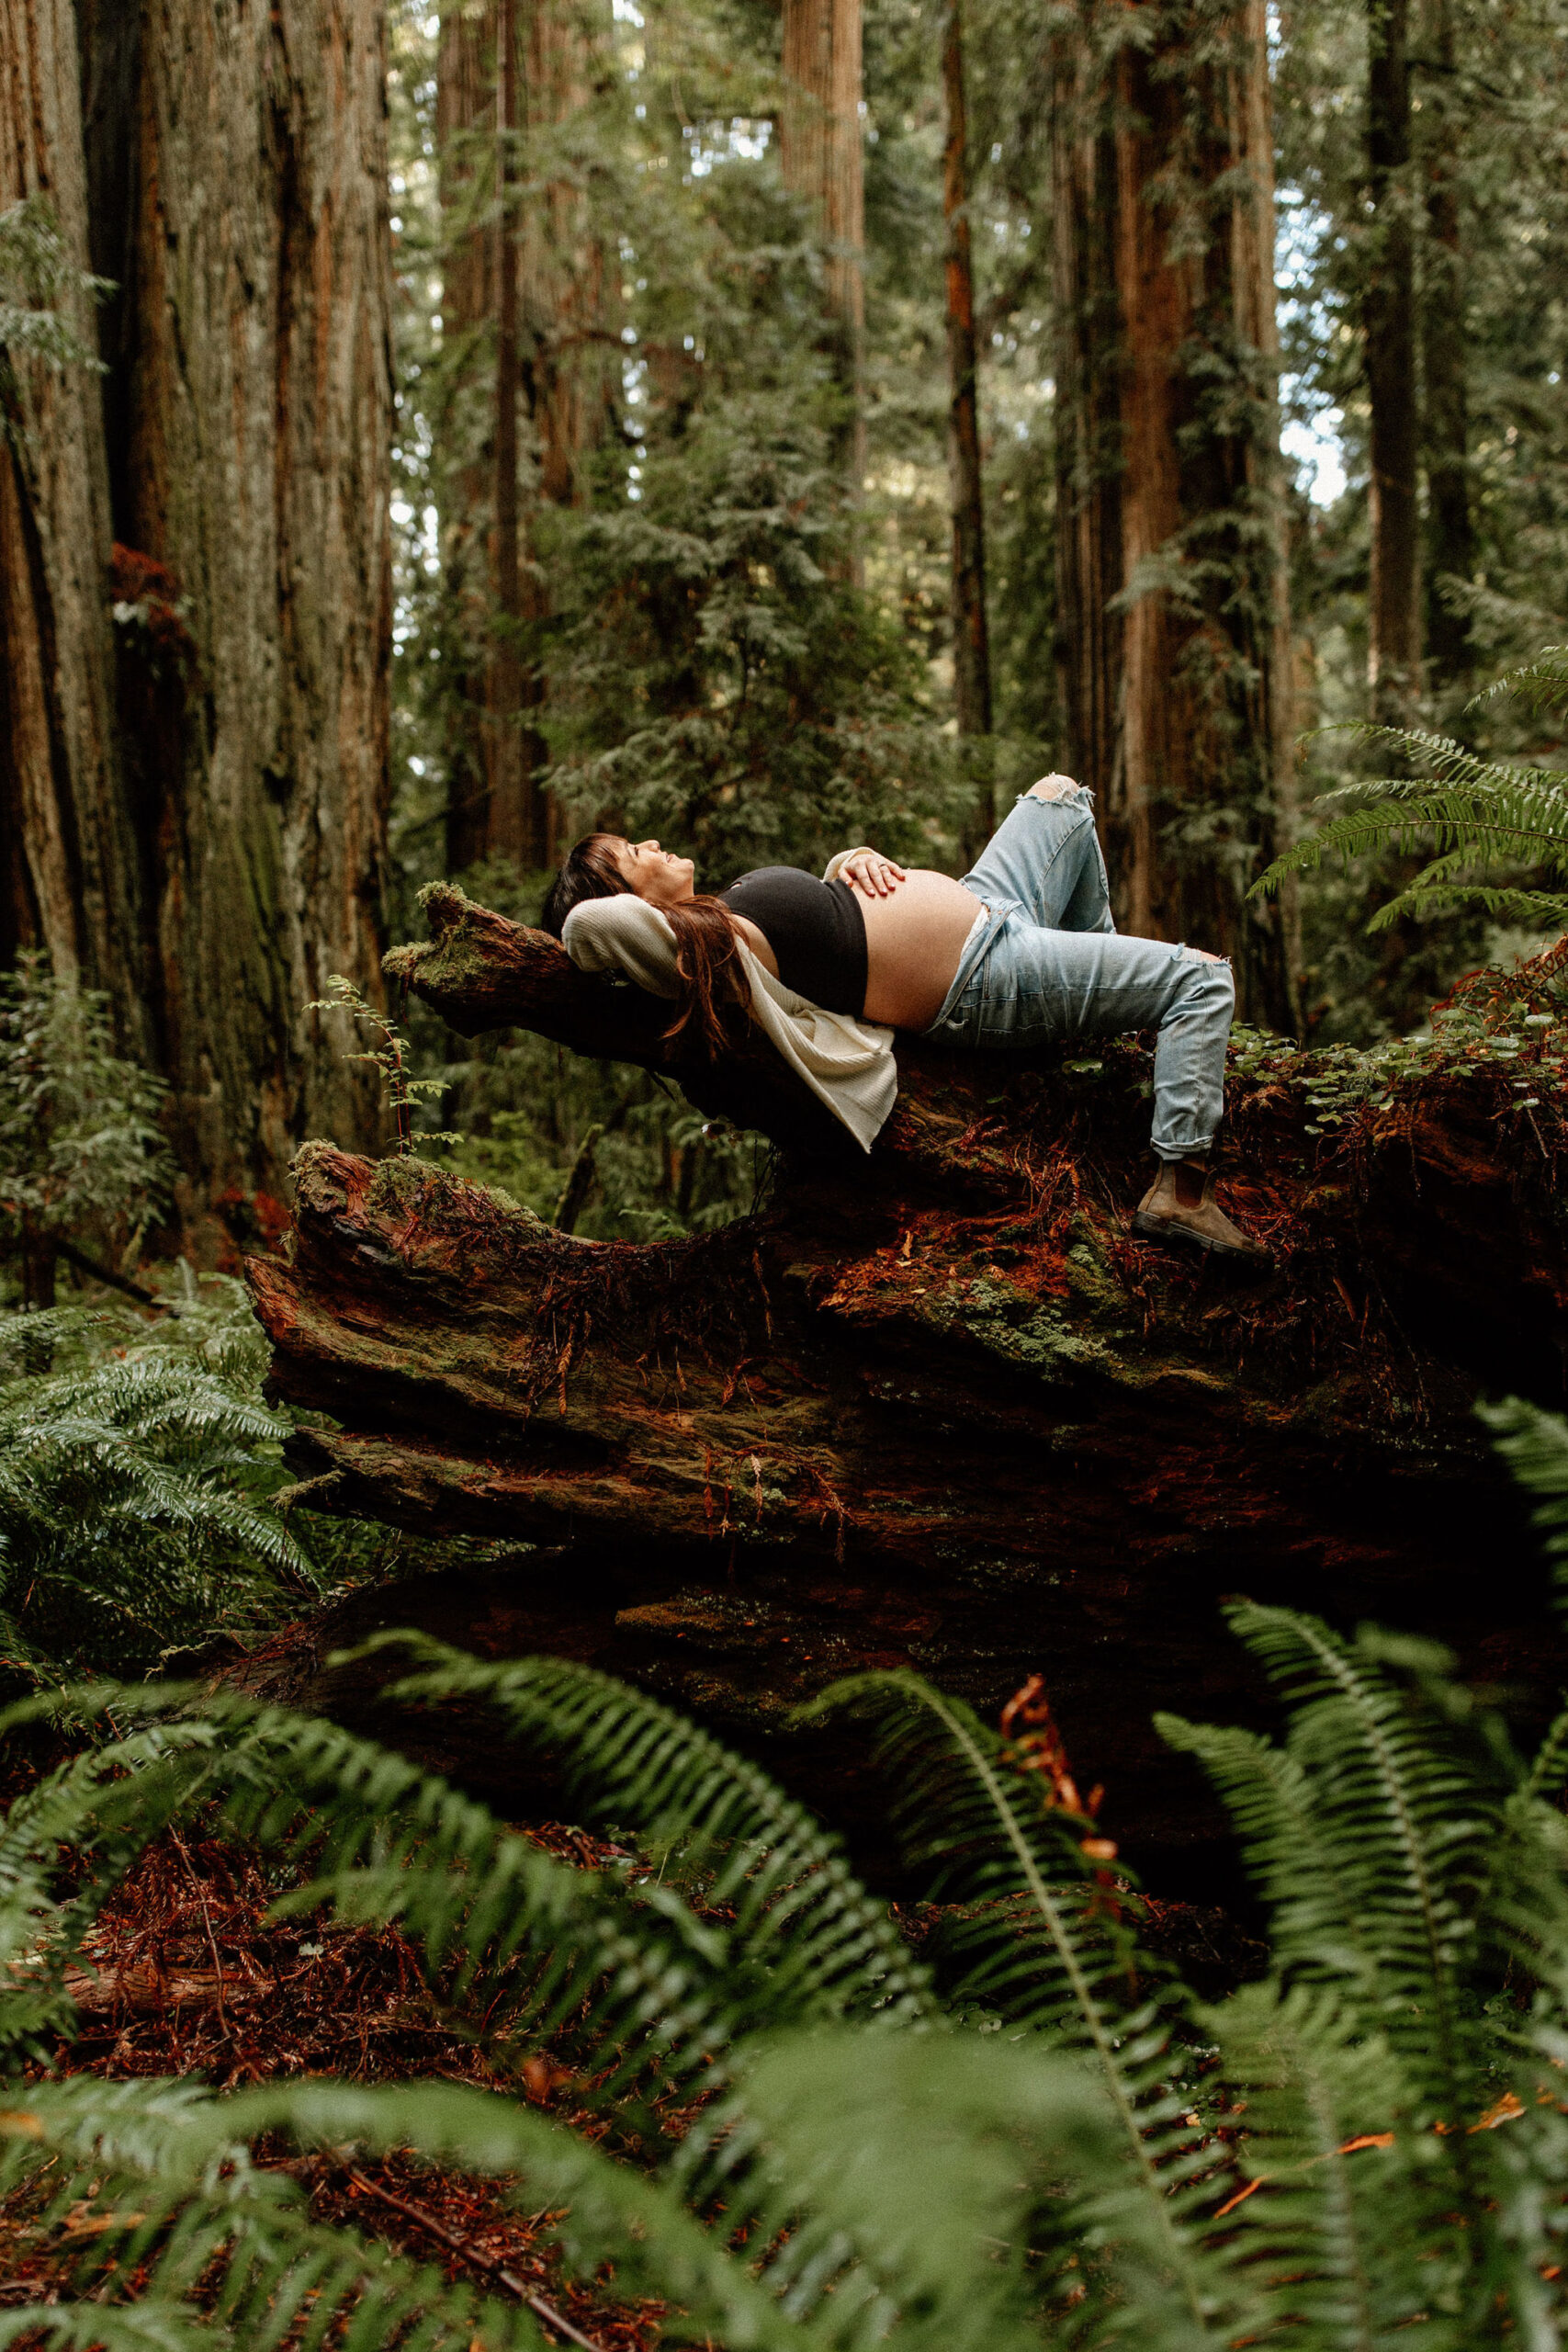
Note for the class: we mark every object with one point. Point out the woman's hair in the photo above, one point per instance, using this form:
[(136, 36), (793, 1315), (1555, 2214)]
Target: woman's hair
[(589, 870), (714, 992), (715, 989)]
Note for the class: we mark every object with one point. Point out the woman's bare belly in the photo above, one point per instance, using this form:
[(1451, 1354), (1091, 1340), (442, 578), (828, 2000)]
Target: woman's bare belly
[(913, 940)]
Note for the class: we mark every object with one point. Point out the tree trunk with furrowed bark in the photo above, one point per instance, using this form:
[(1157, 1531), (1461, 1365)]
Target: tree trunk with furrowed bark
[(195, 555), (1172, 604), (934, 1407)]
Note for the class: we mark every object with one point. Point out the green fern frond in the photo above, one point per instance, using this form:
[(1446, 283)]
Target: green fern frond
[(171, 2192), (1541, 685), (1530, 910), (973, 2224), (1344, 2227), (123, 1500), (1476, 812), (798, 1908), (146, 2325), (1408, 1818), (1534, 1445), (649, 1993), (1043, 1944), (1316, 1925), (171, 2160)]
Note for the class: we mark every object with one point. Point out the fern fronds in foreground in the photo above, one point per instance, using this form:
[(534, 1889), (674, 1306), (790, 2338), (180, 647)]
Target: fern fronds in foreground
[(795, 1905), (1367, 2147)]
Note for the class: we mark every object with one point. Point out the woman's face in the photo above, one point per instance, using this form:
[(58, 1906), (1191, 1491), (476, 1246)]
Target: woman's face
[(655, 874)]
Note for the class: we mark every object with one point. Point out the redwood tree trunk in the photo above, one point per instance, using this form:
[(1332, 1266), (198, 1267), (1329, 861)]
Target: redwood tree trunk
[(1451, 539), (465, 101), (525, 295), (821, 155), (513, 797), (70, 869), (249, 395), (1393, 627), (1173, 618), (970, 648), (571, 365), (935, 1406)]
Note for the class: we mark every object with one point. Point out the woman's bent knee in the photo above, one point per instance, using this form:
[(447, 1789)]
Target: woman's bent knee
[(1210, 985)]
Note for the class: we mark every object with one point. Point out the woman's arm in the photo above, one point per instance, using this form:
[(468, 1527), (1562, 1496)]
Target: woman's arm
[(624, 934)]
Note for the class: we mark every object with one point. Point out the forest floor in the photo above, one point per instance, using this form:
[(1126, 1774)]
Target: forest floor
[(188, 1973)]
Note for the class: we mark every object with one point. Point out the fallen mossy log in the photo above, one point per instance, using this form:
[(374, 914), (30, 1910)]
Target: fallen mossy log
[(935, 1406)]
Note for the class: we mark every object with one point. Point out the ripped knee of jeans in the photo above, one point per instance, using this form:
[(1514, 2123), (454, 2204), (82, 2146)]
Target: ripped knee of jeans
[(1210, 982), (1053, 787)]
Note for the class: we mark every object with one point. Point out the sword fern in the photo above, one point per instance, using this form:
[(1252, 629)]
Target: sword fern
[(1486, 821), (1027, 2158)]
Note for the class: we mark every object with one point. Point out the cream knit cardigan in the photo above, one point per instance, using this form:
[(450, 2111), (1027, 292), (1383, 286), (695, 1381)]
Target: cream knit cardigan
[(848, 1064)]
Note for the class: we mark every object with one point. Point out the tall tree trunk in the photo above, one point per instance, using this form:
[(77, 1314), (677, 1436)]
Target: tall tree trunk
[(971, 647), (250, 399), (512, 801), (1393, 627), (821, 155), (1173, 627), (70, 870), (571, 362), (465, 102), (535, 284), (1450, 537)]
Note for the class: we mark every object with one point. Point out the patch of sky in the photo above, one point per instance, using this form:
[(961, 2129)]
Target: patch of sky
[(1312, 432), (743, 139)]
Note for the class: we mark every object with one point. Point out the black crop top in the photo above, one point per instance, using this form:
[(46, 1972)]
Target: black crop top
[(816, 930)]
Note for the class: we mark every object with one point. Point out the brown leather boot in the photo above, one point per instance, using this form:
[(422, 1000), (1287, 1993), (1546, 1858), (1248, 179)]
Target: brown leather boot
[(1179, 1207)]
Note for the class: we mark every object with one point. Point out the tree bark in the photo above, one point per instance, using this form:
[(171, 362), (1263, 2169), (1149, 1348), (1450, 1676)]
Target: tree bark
[(1451, 539), (1393, 627), (535, 285), (514, 812), (465, 101), (1173, 628), (935, 1406), (572, 366), (971, 647), (70, 874), (249, 397), (821, 155)]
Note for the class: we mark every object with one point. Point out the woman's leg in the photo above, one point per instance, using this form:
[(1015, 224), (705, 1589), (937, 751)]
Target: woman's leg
[(1035, 985), (1045, 855)]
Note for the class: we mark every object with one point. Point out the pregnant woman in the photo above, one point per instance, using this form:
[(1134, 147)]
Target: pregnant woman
[(1022, 952)]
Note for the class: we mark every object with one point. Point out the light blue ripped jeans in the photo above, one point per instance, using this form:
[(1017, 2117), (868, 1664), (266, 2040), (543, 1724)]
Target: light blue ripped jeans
[(1046, 961)]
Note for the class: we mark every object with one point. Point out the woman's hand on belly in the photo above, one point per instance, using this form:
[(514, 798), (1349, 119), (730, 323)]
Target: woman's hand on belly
[(873, 875), (914, 938)]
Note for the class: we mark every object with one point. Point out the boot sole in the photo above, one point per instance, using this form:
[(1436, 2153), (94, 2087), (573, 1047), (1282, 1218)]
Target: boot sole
[(1166, 1229)]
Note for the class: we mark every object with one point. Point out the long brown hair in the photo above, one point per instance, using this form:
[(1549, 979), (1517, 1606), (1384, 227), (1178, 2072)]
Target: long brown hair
[(716, 989), (714, 995)]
